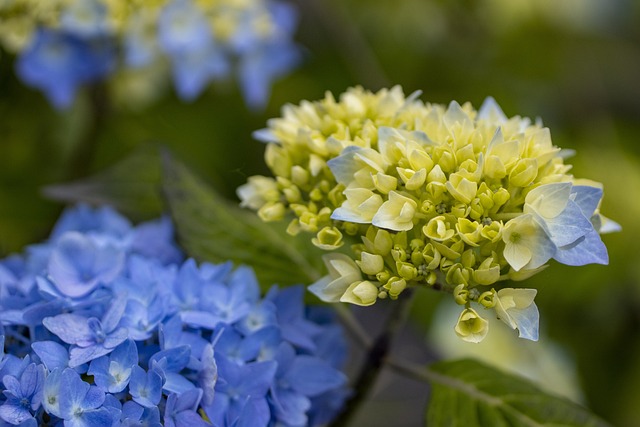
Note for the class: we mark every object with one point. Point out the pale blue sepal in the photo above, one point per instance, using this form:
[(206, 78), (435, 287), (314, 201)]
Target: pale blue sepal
[(569, 226), (588, 249), (327, 293), (345, 166), (491, 111), (527, 321), (543, 252), (587, 198), (265, 135), (606, 225)]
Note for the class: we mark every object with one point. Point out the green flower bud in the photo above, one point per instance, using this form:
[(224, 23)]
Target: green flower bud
[(468, 258), (461, 294), (413, 180), (370, 264), (350, 228), (438, 229), (460, 210), (272, 212), (292, 194), (309, 222), (431, 256), (398, 253), (523, 173), (384, 183), (500, 197), (383, 242), (469, 231), (395, 286), (299, 176), (294, 227), (406, 270), (471, 327), (431, 278), (362, 293), (487, 273), (383, 277), (316, 195), (458, 274), (461, 188), (329, 238), (488, 299), (278, 160), (494, 168)]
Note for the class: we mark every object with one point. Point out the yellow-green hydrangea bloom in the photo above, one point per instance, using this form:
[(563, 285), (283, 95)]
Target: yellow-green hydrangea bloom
[(440, 196)]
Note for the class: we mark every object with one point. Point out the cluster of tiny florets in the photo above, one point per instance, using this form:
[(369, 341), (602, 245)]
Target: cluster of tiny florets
[(64, 44), (439, 196), (106, 324)]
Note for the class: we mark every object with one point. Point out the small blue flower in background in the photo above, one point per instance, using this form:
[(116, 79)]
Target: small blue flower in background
[(192, 42), (105, 324)]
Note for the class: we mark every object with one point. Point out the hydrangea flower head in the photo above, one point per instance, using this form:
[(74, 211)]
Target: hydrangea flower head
[(63, 45), (430, 195), (106, 324)]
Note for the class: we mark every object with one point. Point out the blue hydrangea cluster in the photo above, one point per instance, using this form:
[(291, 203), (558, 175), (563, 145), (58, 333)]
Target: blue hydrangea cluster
[(65, 44), (106, 324)]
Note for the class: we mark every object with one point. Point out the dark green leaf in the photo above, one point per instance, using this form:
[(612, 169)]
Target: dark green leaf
[(132, 186), (212, 229), (467, 393)]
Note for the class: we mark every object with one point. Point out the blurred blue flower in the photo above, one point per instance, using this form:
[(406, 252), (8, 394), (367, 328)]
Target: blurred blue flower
[(192, 42), (58, 63), (101, 330)]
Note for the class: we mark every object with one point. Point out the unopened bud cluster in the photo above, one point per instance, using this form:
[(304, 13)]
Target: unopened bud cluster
[(445, 197)]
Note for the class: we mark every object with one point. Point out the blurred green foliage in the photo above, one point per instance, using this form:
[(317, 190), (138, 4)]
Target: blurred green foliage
[(575, 63)]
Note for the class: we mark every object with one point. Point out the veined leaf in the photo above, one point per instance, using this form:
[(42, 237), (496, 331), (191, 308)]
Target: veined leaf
[(132, 185), (467, 393), (212, 229)]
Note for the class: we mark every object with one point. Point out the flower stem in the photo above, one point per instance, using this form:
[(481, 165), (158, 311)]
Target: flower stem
[(375, 359)]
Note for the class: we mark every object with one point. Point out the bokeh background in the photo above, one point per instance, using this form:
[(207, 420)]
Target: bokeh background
[(574, 63)]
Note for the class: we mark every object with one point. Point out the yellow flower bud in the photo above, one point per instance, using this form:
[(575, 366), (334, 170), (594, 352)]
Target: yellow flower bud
[(458, 274), (493, 231), (500, 197), (292, 194), (494, 168), (413, 180), (329, 238), (468, 258), (278, 160), (461, 188), (406, 270), (309, 222), (419, 159), (438, 229), (383, 277), (431, 278), (293, 229), (436, 175), (395, 286), (431, 257), (469, 231), (523, 173), (460, 210), (362, 293), (272, 212), (384, 183), (487, 273), (383, 242), (461, 294), (299, 176), (488, 299), (471, 327), (370, 264)]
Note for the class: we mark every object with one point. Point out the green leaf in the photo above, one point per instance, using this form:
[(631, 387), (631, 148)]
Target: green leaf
[(132, 185), (212, 229), (467, 393)]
